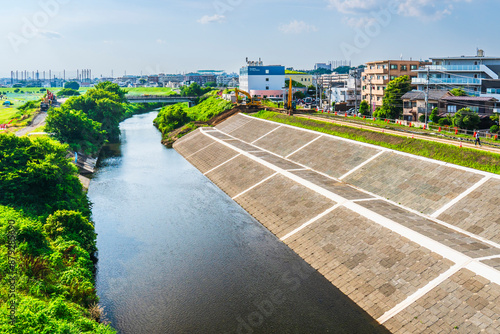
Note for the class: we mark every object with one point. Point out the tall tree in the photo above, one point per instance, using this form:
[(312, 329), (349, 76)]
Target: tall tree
[(458, 92), (392, 105), (72, 85)]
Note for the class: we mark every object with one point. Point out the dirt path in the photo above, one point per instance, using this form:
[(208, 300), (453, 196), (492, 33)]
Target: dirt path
[(38, 120), (404, 134)]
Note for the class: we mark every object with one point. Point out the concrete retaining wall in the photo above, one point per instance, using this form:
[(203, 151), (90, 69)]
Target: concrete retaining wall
[(412, 241)]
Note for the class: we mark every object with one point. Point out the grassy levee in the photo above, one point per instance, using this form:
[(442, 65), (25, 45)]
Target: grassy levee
[(480, 160)]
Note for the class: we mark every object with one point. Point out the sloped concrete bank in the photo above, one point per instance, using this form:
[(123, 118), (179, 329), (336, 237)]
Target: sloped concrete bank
[(414, 242)]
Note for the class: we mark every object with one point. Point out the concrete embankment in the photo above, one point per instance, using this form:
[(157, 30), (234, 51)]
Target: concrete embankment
[(414, 242)]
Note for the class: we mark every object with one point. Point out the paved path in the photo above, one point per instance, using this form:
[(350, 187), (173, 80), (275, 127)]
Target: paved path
[(404, 134)]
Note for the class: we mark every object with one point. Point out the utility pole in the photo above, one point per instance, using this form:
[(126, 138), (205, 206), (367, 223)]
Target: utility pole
[(370, 83), (354, 73), (427, 96)]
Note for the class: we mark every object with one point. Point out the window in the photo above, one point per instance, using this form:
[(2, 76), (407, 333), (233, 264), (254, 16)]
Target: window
[(379, 67), (378, 77), (394, 67), (267, 87), (267, 79), (413, 67), (385, 67), (393, 77), (404, 68), (267, 71), (385, 77), (452, 109)]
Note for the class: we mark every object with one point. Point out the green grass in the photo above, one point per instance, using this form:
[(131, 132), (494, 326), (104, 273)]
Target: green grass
[(165, 91), (480, 160), (6, 114), (449, 131)]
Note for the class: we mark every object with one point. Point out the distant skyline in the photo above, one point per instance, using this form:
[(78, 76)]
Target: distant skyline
[(182, 36)]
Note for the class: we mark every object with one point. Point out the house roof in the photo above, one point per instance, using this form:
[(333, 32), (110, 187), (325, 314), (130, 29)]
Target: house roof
[(434, 94), (470, 98)]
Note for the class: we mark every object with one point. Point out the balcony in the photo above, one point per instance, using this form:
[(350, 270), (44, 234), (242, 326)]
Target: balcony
[(451, 68), (446, 81)]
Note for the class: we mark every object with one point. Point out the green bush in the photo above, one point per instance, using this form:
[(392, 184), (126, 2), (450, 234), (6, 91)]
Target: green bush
[(171, 117), (494, 129), (71, 225), (67, 92), (445, 121)]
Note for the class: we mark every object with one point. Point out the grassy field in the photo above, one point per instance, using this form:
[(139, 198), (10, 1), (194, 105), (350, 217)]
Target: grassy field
[(150, 91), (466, 157), (6, 114)]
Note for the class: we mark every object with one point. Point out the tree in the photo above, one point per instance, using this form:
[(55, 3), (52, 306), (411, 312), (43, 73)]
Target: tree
[(112, 88), (466, 119), (364, 108), (392, 105), (299, 95), (109, 113), (142, 81), (36, 176), (494, 129), (67, 92), (72, 85), (211, 84), (76, 129), (194, 90), (434, 116), (171, 117), (458, 92)]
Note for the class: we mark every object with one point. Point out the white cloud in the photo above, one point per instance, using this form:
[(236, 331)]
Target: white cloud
[(160, 41), (297, 27), (49, 34), (210, 19), (423, 9)]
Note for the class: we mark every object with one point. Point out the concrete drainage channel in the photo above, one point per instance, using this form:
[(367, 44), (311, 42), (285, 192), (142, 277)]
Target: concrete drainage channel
[(412, 241)]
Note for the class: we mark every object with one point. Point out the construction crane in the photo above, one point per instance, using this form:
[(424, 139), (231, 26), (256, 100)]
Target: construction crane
[(253, 101)]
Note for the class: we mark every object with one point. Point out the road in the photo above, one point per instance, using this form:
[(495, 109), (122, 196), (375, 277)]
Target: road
[(406, 134), (38, 120)]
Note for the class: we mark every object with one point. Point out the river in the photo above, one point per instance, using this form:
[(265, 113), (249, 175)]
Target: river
[(177, 255)]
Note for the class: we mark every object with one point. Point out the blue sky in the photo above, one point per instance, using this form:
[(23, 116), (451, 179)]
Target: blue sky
[(176, 36)]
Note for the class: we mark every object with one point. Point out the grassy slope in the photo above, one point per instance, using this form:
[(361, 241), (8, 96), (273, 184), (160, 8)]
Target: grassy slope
[(471, 158)]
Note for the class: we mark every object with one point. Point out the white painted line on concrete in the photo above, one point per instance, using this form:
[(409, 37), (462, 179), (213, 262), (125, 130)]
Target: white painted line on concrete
[(189, 156), (312, 141), (379, 148), (266, 133), (254, 186), (420, 239), (297, 170), (340, 199), (488, 258), (460, 197), (365, 200), (222, 164), (309, 222), (485, 271), (362, 165), (421, 292), (430, 244)]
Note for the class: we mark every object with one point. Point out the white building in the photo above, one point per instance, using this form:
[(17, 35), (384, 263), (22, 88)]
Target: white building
[(477, 75), (262, 81)]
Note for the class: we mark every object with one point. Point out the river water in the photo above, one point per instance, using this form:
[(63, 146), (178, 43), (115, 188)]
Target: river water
[(177, 255)]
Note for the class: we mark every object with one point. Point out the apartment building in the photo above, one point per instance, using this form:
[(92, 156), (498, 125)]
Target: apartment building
[(477, 75), (262, 80), (378, 74)]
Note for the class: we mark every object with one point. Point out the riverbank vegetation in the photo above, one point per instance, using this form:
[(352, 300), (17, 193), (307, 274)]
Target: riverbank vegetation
[(88, 121), (471, 158), (41, 194), (180, 115)]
